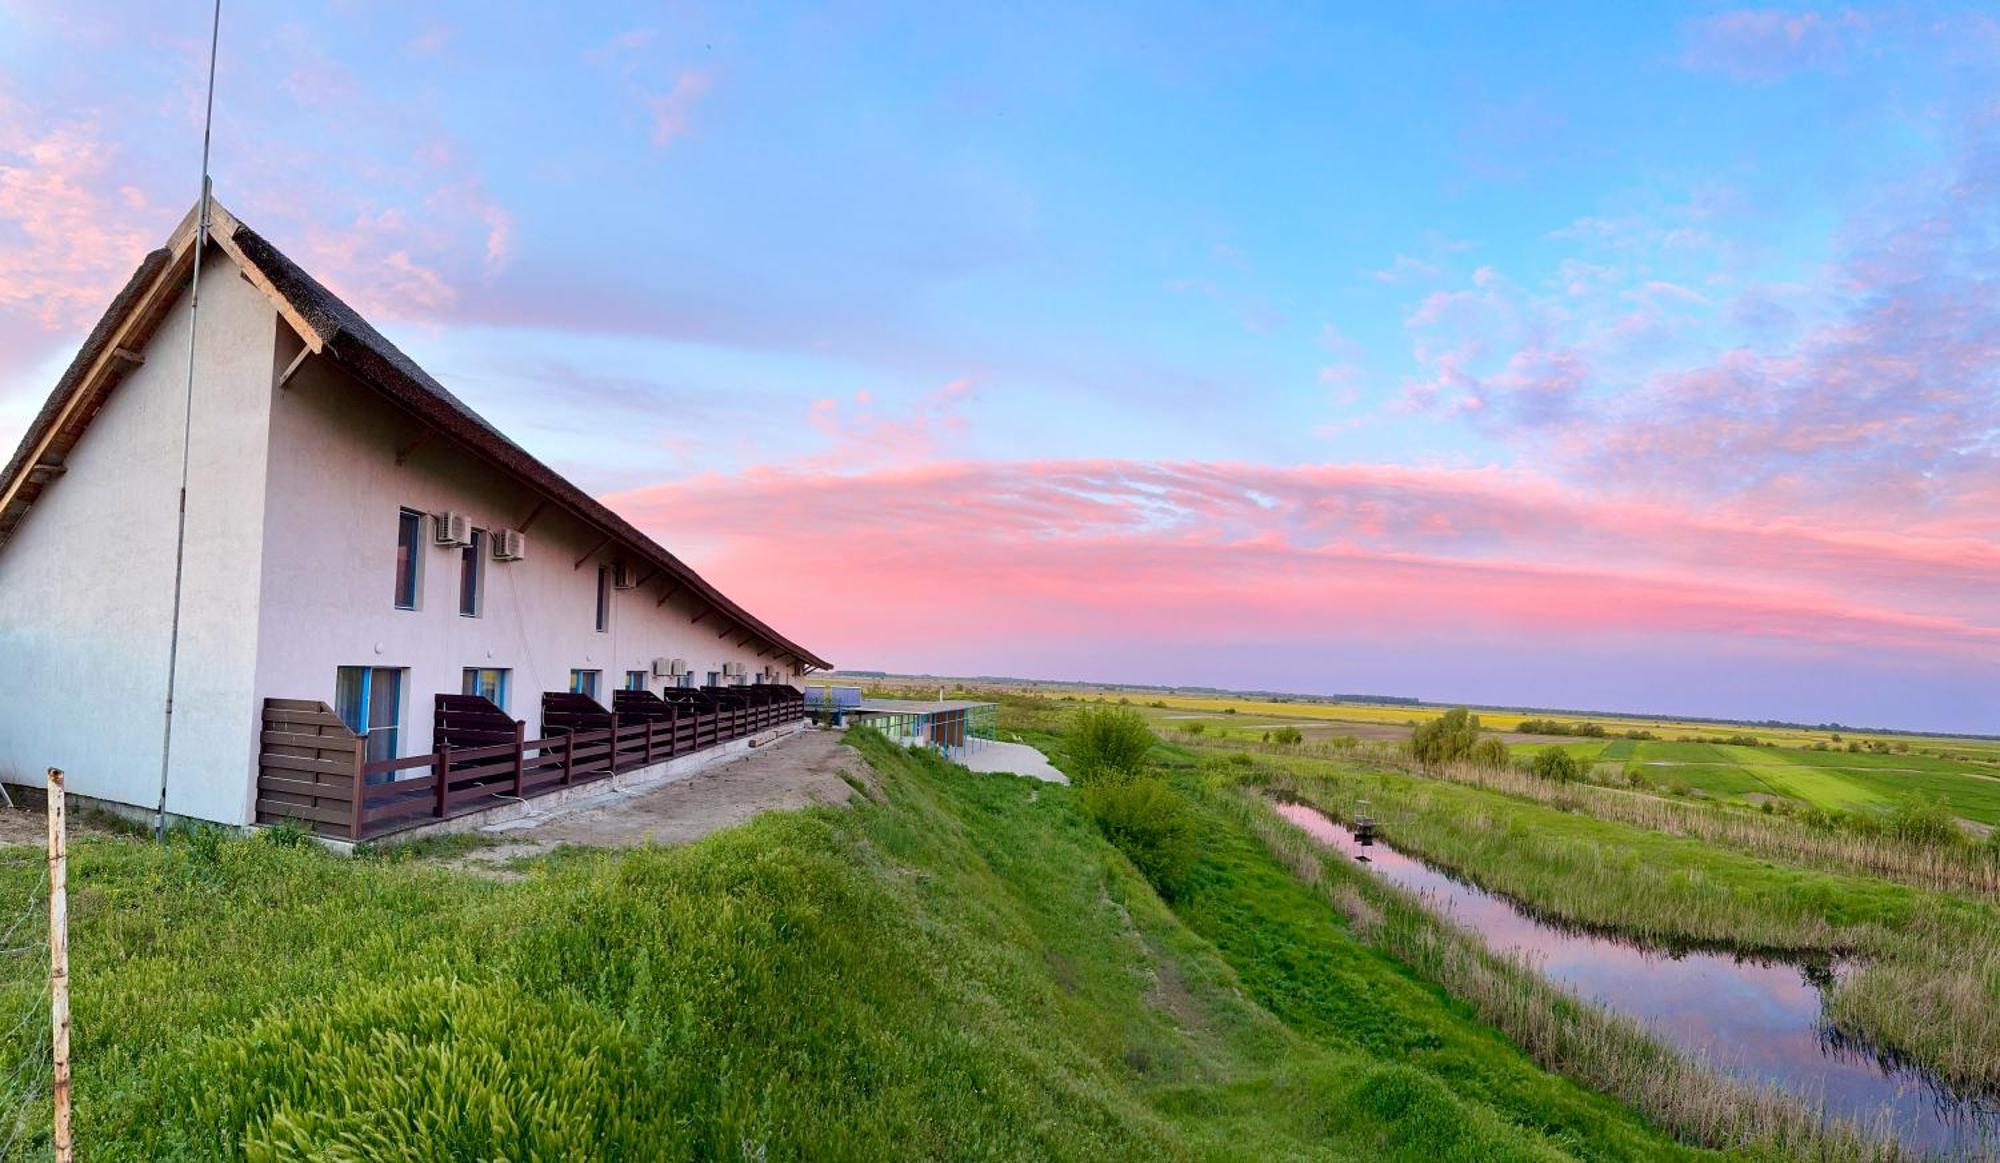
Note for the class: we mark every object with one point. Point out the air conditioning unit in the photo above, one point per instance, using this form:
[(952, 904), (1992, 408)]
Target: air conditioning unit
[(669, 667), (509, 545), (732, 669), (452, 529), (623, 577)]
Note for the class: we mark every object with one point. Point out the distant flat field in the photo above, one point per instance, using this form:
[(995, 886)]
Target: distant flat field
[(1966, 773), (1826, 779)]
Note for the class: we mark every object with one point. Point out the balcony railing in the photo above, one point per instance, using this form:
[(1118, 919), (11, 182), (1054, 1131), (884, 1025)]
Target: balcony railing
[(314, 770)]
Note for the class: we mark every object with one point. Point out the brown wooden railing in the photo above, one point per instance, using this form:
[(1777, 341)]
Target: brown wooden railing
[(313, 769)]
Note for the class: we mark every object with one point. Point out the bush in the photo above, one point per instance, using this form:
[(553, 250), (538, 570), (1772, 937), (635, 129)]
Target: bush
[(1194, 728), (1920, 819), (1288, 736), (1556, 764), (1447, 738), (1109, 743), (1488, 753), (1150, 823)]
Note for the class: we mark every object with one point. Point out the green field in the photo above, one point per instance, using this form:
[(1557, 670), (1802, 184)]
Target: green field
[(1824, 779), (954, 966)]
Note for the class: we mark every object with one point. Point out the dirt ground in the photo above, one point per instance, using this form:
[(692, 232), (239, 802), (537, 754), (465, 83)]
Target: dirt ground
[(31, 826), (802, 768)]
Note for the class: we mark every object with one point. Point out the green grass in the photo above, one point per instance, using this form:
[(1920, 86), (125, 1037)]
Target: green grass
[(1930, 982), (1835, 780), (965, 970)]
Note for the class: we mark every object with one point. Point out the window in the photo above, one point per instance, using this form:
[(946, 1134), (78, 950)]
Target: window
[(409, 557), (635, 680), (603, 598), (369, 699), (584, 682), (686, 681), (472, 575), (489, 683), (715, 678)]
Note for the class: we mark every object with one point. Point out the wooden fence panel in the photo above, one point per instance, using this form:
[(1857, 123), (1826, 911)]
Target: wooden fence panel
[(308, 768)]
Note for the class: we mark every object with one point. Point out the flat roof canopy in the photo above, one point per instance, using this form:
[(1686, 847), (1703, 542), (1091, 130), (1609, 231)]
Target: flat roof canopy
[(912, 706)]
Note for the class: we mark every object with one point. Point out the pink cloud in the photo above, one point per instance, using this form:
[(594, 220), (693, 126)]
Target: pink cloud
[(1120, 550), (1766, 43), (671, 111), (70, 230)]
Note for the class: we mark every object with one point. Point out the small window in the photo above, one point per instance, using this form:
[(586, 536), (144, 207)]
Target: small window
[(490, 683), (715, 678), (472, 575), (409, 557), (584, 682), (635, 680), (369, 699), (603, 598)]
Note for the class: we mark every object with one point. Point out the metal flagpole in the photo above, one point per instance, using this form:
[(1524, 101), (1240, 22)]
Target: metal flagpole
[(187, 432)]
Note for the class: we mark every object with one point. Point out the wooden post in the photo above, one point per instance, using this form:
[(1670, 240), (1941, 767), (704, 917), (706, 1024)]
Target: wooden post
[(520, 755), (615, 757), (441, 764), (59, 960), (358, 792), (569, 754)]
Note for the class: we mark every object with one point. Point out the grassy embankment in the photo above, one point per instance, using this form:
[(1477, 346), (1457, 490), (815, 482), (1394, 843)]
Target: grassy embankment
[(958, 967), (1929, 983)]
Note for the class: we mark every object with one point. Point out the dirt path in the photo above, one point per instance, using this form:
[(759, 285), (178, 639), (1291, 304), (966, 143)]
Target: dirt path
[(801, 769)]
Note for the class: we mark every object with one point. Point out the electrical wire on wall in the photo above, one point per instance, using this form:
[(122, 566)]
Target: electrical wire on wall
[(187, 434)]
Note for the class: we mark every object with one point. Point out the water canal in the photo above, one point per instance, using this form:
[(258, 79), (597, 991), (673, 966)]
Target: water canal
[(1762, 1020)]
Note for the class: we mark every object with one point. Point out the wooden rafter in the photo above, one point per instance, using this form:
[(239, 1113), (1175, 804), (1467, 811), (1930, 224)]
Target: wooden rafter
[(593, 552), (671, 591), (521, 526), (292, 369), (404, 453), (705, 612), (127, 356)]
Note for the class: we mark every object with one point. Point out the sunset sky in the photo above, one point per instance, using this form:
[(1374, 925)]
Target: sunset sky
[(1597, 355)]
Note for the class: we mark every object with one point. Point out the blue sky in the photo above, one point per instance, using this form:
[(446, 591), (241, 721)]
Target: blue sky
[(1679, 314)]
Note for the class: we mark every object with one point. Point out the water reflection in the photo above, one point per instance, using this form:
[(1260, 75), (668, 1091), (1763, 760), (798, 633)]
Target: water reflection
[(1756, 1018)]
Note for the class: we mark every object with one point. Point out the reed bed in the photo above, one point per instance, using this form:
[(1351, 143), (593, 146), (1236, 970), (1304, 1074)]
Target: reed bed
[(1565, 1034), (1964, 868), (1926, 985)]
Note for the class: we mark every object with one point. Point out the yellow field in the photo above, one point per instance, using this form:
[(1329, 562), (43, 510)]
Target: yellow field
[(1379, 715)]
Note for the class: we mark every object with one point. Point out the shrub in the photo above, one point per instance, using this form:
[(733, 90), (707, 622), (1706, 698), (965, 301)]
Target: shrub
[(1556, 764), (287, 834), (1109, 743), (1920, 819), (1150, 823), (1448, 737), (1289, 736), (1488, 753), (1194, 728)]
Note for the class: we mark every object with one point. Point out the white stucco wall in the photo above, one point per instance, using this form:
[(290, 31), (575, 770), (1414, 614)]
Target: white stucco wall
[(86, 581), (335, 490)]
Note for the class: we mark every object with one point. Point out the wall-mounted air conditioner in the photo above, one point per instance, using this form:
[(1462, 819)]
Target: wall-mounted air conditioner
[(623, 577), (732, 669), (453, 529), (669, 667), (509, 545)]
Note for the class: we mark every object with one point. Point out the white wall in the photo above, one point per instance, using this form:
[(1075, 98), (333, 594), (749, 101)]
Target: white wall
[(329, 571), (86, 582)]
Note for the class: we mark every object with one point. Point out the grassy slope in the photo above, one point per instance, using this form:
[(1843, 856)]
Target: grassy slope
[(964, 970)]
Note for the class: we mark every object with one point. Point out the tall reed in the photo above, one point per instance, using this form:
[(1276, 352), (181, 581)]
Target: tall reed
[(1570, 1036)]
